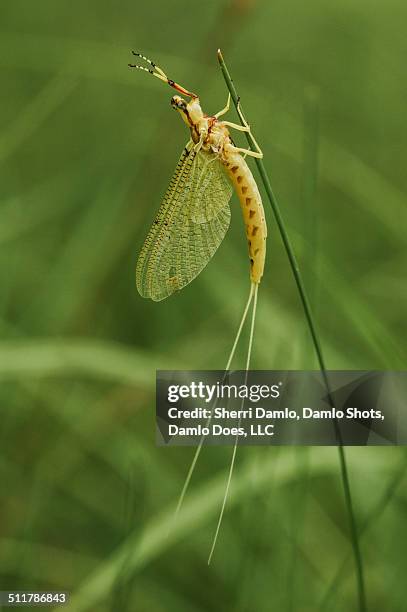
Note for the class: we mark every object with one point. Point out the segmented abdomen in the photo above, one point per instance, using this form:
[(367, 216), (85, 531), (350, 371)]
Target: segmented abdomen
[(252, 209)]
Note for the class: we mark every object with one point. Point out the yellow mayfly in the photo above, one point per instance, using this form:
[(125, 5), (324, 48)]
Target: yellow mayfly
[(194, 216)]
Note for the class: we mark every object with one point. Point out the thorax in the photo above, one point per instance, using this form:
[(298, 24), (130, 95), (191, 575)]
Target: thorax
[(215, 135)]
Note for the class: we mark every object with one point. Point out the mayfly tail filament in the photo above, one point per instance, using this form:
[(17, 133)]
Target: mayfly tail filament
[(253, 292)]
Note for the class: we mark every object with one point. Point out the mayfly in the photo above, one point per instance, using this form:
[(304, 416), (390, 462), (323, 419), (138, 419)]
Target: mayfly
[(194, 216)]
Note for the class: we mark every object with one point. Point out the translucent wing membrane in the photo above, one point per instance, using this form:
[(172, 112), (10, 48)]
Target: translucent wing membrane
[(190, 225)]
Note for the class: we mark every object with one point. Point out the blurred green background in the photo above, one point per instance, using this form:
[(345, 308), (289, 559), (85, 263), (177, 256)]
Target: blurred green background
[(87, 148)]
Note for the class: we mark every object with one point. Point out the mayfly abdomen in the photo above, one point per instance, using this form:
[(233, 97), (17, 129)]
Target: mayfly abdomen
[(252, 210)]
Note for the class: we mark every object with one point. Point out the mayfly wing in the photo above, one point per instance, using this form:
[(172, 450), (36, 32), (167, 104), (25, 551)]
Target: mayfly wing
[(210, 187), (190, 225)]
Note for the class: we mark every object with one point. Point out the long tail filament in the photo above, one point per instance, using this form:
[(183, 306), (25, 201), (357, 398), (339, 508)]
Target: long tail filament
[(252, 297), (199, 447), (232, 462)]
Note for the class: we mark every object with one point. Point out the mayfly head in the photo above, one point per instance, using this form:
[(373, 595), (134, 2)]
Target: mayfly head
[(191, 111), (178, 103)]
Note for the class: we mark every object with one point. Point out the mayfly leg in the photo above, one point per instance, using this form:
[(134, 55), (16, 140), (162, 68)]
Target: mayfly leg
[(254, 290), (244, 128), (246, 125), (149, 61), (224, 110), (160, 74), (248, 152)]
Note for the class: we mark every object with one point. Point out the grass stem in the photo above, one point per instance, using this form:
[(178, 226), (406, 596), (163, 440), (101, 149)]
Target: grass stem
[(315, 340)]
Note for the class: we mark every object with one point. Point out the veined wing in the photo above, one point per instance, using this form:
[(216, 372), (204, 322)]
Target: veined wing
[(190, 225)]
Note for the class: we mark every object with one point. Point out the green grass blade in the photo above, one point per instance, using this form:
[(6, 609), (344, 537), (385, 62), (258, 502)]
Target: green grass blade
[(315, 339)]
